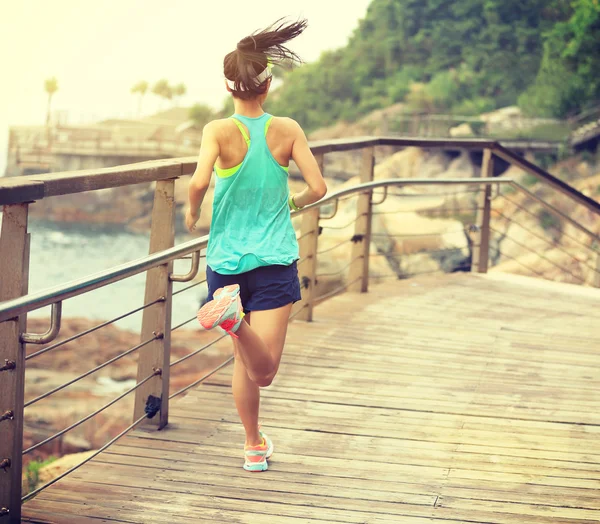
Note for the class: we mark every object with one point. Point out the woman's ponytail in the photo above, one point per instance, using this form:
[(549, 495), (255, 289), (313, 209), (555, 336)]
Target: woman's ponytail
[(243, 67)]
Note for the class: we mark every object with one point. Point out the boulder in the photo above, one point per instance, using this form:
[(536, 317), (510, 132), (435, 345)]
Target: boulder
[(462, 130)]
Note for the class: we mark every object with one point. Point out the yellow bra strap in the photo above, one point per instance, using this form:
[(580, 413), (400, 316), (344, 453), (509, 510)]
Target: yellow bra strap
[(242, 130), (267, 125)]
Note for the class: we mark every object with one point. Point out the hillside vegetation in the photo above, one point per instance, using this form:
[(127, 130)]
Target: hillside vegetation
[(464, 57)]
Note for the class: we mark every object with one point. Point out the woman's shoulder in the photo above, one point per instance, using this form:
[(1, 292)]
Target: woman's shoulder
[(286, 125)]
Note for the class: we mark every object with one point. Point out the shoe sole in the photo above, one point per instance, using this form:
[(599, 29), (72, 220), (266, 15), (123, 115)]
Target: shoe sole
[(211, 314), (230, 290), (255, 468)]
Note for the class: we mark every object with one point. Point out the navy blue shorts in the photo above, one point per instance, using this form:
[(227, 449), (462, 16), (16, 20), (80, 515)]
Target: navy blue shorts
[(266, 287)]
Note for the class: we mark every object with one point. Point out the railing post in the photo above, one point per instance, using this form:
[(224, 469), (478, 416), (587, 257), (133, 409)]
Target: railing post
[(309, 240), (358, 275), (596, 279), (14, 277), (481, 236), (157, 318)]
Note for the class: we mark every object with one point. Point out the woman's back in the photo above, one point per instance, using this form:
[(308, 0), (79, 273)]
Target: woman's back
[(251, 226), (233, 147)]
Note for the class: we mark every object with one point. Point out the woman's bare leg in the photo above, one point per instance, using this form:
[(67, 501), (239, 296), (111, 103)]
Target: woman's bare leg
[(267, 330), (246, 395), (260, 345)]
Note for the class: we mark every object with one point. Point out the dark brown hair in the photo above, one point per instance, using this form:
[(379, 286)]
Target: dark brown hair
[(254, 52)]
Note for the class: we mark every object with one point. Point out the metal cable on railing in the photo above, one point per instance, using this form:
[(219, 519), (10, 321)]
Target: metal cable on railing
[(342, 243), (91, 330), (346, 225), (293, 315), (434, 194), (341, 270), (521, 264), (85, 461), (422, 252), (194, 353), (300, 237), (337, 290), (91, 415), (504, 235), (202, 379), (552, 244), (436, 211), (384, 277), (522, 208), (188, 287), (409, 274), (184, 323), (418, 235), (87, 373)]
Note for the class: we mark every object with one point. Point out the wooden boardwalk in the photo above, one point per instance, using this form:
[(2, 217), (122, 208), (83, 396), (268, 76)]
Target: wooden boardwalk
[(461, 398)]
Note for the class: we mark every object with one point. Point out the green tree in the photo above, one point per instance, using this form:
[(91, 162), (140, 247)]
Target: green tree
[(467, 54), (162, 89), (141, 88), (178, 91), (51, 87), (201, 114), (569, 77)]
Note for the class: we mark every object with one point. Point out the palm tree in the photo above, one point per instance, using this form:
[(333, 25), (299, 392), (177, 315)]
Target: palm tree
[(51, 87), (162, 89), (141, 88), (179, 90)]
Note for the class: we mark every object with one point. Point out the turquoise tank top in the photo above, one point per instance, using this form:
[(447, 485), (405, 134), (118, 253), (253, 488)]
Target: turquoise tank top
[(251, 224)]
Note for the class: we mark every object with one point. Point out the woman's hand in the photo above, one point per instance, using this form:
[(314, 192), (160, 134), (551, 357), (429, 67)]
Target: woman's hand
[(191, 219)]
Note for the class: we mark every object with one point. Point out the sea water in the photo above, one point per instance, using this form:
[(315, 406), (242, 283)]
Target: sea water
[(64, 252)]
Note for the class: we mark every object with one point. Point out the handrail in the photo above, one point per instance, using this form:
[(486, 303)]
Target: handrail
[(18, 306), (36, 187), (555, 182), (369, 186), (13, 308)]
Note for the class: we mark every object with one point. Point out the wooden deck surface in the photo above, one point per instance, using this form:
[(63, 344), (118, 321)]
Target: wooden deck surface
[(461, 398)]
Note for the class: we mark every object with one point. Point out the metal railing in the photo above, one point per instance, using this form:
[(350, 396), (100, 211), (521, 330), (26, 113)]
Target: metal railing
[(482, 228)]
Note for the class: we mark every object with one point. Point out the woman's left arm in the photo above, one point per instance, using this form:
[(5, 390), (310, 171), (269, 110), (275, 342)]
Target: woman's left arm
[(209, 152)]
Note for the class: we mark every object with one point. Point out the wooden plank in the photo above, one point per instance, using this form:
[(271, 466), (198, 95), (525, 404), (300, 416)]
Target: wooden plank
[(14, 269), (19, 189), (157, 318), (358, 274), (431, 420), (93, 179)]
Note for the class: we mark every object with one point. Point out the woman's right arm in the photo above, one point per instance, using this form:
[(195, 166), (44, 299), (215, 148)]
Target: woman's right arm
[(306, 162)]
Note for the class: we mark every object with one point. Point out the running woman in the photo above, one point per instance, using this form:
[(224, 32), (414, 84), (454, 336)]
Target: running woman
[(252, 250)]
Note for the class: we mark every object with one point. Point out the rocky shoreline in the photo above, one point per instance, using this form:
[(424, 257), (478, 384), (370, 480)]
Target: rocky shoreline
[(52, 369)]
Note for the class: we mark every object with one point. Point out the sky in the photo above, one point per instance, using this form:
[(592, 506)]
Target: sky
[(98, 50)]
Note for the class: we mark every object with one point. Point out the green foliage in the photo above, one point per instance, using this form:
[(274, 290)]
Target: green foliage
[(179, 89), (141, 88), (466, 56), (530, 180), (201, 115), (33, 471), (549, 221), (474, 106), (568, 78), (228, 108), (51, 85), (163, 89)]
